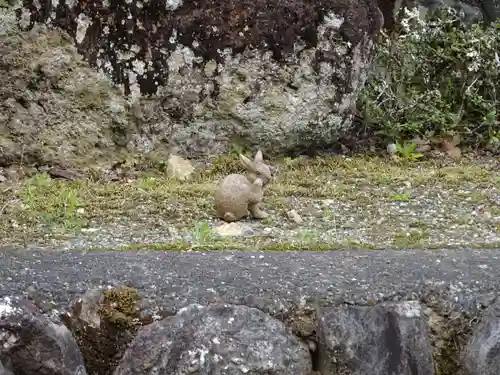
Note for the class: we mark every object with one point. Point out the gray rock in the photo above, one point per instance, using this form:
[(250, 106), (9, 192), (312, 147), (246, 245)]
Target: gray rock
[(473, 10), (33, 344), (279, 75), (4, 371), (470, 10), (482, 354), (218, 339), (491, 9), (381, 340)]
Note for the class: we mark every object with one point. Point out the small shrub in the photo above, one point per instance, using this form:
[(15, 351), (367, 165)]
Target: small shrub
[(435, 77), (407, 151)]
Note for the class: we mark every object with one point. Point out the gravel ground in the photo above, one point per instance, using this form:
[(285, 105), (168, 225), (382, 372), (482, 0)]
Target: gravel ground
[(348, 204), (431, 219)]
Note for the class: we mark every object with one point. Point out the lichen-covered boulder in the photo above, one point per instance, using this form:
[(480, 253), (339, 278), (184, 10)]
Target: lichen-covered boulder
[(283, 75), (218, 339)]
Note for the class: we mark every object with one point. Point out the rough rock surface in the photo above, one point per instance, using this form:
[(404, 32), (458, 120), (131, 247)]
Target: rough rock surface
[(281, 75), (291, 284), (104, 321), (33, 344), (219, 339), (377, 290), (474, 10), (4, 371), (482, 354), (380, 340), (53, 107), (492, 9)]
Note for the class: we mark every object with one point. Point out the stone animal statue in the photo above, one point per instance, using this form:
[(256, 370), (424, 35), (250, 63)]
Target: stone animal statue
[(236, 194)]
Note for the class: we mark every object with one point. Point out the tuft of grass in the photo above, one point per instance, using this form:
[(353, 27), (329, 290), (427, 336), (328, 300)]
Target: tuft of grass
[(404, 197), (202, 233), (51, 204), (407, 151), (307, 236), (410, 239)]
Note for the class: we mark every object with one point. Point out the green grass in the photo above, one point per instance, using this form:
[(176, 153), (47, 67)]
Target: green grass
[(41, 208), (405, 197)]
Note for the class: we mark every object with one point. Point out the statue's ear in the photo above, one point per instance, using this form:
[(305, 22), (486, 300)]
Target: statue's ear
[(258, 157), (246, 162)]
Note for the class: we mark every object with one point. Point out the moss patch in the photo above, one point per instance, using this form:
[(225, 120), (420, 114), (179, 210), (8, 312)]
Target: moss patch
[(119, 307), (104, 346)]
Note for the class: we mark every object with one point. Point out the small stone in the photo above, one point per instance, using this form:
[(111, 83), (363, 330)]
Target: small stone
[(89, 230), (63, 174), (454, 152), (493, 144), (231, 229), (392, 148), (179, 168), (13, 174), (2, 178), (421, 145), (450, 147), (395, 158), (293, 215), (421, 149)]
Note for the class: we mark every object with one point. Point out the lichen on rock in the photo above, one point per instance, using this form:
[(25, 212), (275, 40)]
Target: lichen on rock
[(281, 75)]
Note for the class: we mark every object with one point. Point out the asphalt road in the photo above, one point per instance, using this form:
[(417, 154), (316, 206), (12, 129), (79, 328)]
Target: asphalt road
[(278, 282)]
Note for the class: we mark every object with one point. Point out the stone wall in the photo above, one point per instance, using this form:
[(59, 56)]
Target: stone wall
[(250, 313)]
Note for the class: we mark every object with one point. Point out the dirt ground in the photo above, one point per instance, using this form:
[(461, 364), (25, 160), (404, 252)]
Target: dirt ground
[(314, 204)]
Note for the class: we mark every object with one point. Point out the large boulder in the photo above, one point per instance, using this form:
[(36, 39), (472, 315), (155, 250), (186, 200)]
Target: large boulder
[(200, 75), (218, 339)]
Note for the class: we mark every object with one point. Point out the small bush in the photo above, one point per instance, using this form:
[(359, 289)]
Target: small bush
[(435, 77)]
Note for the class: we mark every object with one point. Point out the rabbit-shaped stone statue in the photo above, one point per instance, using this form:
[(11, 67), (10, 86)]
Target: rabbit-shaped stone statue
[(236, 195)]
